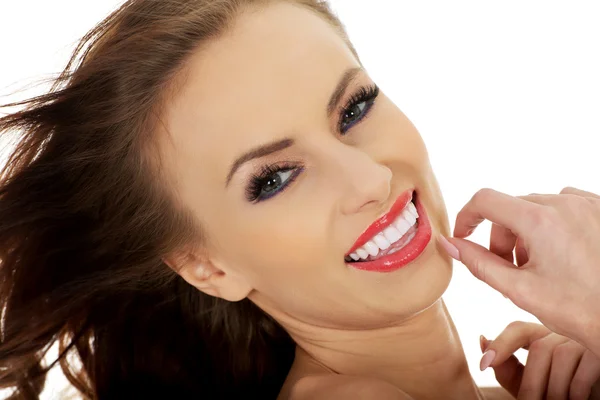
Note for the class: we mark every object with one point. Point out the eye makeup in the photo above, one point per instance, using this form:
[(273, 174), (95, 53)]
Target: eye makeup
[(272, 179)]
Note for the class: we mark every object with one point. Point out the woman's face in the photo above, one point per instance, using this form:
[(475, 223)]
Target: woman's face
[(280, 220)]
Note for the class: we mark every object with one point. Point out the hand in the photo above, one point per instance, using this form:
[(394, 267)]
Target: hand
[(556, 368), (556, 239)]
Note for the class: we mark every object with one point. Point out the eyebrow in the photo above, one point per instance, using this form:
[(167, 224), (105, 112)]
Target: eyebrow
[(349, 76), (279, 145), (258, 152)]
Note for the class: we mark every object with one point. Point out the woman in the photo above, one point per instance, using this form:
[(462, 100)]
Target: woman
[(219, 202)]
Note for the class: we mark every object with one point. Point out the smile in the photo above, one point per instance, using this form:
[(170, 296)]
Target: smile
[(393, 240)]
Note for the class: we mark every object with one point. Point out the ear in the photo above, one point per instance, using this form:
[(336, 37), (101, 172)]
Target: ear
[(203, 274)]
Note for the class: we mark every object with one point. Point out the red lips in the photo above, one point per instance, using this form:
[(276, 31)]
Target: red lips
[(406, 254), (384, 221)]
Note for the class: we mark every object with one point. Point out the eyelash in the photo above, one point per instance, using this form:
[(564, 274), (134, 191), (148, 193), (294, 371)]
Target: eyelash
[(258, 181), (254, 190), (366, 94)]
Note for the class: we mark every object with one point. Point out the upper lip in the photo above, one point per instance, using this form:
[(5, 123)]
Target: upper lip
[(384, 221)]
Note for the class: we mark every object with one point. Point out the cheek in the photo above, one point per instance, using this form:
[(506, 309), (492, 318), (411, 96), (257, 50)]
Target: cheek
[(401, 145), (282, 247), (393, 137)]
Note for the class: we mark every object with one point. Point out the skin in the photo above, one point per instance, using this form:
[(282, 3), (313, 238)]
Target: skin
[(286, 254), (557, 367), (555, 240)]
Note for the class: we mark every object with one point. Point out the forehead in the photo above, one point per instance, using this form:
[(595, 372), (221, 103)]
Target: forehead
[(252, 85)]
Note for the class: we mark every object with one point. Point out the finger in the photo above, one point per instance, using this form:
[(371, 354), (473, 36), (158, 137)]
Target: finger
[(541, 199), (508, 211), (537, 368), (515, 336), (586, 375), (579, 192), (565, 359), (509, 373), (502, 242), (488, 267)]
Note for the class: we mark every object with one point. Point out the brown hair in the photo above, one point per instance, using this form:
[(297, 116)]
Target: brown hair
[(87, 214)]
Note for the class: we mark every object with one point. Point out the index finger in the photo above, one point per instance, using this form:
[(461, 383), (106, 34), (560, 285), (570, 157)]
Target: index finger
[(508, 211), (517, 335)]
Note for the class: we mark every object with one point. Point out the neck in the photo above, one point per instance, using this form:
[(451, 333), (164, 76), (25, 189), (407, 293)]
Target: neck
[(421, 356)]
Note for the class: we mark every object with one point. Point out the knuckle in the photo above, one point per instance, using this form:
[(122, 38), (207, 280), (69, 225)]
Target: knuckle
[(536, 347), (567, 189), (540, 346), (476, 266), (564, 351), (546, 221), (516, 326), (479, 270), (482, 195)]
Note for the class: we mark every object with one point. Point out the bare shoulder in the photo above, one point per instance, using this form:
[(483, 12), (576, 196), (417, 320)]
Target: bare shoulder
[(496, 393), (317, 387)]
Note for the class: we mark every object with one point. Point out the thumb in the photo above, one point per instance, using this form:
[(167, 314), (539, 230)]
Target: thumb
[(509, 374), (487, 266)]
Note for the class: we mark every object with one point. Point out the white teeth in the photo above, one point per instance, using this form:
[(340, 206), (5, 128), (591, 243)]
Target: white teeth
[(408, 239), (402, 225), (391, 234), (371, 248), (362, 253), (409, 217), (381, 241), (413, 209)]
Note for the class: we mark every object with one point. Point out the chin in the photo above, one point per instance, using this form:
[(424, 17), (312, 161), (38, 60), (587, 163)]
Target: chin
[(426, 283), (402, 294)]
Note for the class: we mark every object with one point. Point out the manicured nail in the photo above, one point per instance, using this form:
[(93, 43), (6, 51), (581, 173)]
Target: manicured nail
[(449, 247), (487, 359)]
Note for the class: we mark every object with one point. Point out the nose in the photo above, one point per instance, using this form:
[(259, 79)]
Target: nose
[(367, 184)]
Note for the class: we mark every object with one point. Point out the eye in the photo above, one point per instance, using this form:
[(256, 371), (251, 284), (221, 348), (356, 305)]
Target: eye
[(353, 114), (357, 107), (273, 183), (270, 181)]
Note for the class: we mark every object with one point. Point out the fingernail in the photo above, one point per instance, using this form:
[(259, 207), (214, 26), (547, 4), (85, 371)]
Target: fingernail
[(487, 359), (449, 247)]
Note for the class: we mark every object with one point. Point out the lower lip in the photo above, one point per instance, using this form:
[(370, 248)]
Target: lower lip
[(407, 254)]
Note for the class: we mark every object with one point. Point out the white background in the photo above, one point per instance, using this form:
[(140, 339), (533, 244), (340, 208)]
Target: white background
[(506, 95)]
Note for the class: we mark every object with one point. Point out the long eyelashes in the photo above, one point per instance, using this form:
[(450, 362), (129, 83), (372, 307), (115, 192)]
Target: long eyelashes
[(271, 180), (357, 107), (275, 178)]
